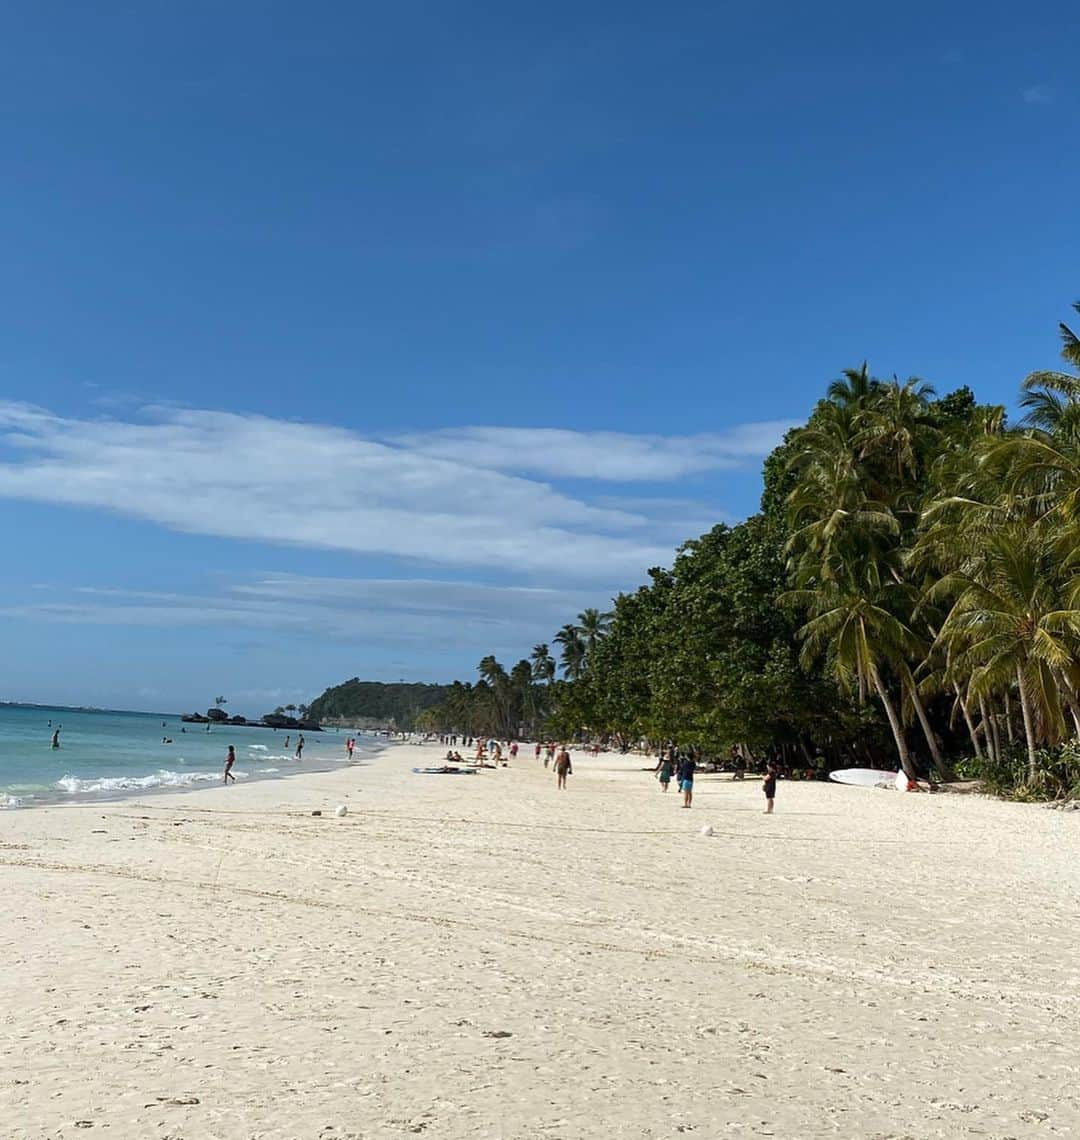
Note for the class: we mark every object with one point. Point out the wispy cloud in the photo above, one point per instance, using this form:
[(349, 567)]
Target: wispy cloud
[(1038, 95), (457, 499), (604, 455), (374, 611)]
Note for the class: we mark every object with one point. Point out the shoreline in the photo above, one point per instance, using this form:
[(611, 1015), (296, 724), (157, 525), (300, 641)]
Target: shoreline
[(203, 780)]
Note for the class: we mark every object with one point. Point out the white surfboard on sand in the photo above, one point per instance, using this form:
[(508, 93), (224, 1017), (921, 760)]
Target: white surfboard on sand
[(869, 778)]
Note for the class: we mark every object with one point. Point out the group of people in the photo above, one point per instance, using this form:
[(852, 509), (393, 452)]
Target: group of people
[(683, 767), (493, 750)]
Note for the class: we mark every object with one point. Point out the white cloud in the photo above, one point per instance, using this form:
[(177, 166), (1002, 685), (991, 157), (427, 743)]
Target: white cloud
[(1038, 95), (606, 455), (446, 498), (371, 611)]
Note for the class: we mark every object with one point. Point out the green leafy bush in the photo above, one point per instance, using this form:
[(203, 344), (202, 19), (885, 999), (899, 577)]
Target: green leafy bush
[(1057, 776)]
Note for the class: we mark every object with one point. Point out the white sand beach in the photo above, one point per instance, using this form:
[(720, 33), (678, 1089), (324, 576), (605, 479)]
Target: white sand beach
[(485, 957)]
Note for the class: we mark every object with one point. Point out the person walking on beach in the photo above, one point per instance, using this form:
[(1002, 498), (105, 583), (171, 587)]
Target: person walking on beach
[(687, 768), (300, 747), (230, 760), (563, 768), (768, 786), (549, 755), (538, 747), (664, 771)]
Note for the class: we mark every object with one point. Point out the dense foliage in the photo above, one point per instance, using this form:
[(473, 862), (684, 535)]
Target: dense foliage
[(359, 702), (909, 593)]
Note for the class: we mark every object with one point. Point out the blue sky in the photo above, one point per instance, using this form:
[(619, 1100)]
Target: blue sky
[(351, 339)]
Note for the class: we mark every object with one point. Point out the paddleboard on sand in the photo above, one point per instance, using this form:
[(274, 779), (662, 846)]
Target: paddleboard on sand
[(869, 778)]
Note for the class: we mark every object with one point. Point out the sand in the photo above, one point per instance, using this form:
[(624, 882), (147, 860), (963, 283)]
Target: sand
[(484, 957)]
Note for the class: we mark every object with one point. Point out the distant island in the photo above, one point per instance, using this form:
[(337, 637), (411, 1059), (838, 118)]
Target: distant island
[(279, 718), (375, 704)]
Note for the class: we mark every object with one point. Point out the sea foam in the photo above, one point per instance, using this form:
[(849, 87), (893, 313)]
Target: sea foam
[(162, 779)]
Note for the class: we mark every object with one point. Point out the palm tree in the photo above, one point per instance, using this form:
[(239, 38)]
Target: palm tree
[(593, 627), (1014, 618), (857, 462), (853, 627), (496, 678), (1042, 464), (573, 651), (853, 388), (219, 701), (543, 664), (896, 425)]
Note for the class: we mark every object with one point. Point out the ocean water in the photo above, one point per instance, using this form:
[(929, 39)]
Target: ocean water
[(115, 754)]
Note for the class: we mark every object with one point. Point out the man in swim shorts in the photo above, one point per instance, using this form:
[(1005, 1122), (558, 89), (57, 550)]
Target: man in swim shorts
[(687, 768)]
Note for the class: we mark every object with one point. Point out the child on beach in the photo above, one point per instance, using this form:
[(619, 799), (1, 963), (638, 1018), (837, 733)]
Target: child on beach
[(768, 786), (562, 768), (230, 760)]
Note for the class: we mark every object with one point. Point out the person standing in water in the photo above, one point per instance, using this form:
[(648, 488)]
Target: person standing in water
[(230, 760), (56, 739), (768, 786), (300, 747)]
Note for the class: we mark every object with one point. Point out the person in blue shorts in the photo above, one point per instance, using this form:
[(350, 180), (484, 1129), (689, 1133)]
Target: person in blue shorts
[(687, 767)]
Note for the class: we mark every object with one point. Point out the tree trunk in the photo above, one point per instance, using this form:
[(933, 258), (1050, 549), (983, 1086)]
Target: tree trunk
[(988, 733), (928, 732), (1069, 698), (1029, 731), (1008, 718), (967, 720), (894, 723)]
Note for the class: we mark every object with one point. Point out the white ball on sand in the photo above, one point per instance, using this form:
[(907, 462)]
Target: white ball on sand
[(707, 830), (342, 810)]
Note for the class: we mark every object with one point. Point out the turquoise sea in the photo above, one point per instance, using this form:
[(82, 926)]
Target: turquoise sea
[(106, 754)]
